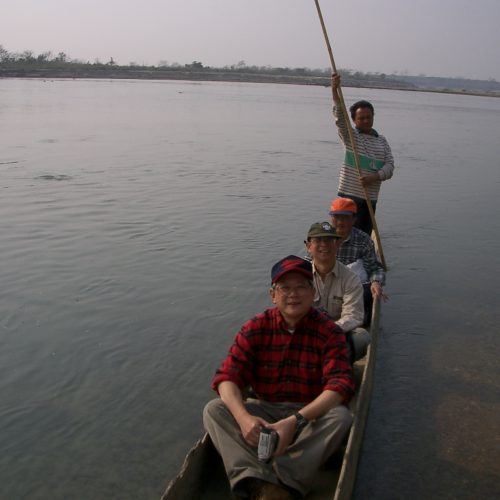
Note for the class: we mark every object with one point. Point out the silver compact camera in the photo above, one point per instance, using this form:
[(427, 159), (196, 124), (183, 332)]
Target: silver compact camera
[(268, 441)]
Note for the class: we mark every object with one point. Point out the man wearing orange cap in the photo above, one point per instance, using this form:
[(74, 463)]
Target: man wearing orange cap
[(374, 155), (294, 358), (356, 248)]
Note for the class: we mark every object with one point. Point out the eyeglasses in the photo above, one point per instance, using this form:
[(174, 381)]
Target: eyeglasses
[(286, 290), (322, 239)]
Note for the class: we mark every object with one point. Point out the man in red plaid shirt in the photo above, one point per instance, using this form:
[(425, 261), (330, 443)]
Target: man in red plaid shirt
[(294, 359)]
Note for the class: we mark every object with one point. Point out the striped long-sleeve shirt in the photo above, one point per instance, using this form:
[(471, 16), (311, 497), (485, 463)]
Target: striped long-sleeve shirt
[(284, 366), (374, 154)]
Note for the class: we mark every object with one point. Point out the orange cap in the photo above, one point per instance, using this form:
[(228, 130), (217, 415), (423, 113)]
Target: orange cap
[(343, 206)]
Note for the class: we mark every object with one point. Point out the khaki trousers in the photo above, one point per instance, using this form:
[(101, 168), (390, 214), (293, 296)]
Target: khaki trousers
[(298, 467)]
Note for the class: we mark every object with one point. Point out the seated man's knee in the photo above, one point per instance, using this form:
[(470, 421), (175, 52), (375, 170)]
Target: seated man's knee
[(360, 339), (345, 417), (213, 410), (341, 417)]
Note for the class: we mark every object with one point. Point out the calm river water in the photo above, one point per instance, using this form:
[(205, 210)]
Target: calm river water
[(139, 221)]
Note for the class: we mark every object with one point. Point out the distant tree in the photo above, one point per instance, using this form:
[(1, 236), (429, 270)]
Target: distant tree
[(61, 57), (4, 54), (194, 65), (27, 56), (44, 56), (241, 65)]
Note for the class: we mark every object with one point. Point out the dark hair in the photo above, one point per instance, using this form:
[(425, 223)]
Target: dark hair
[(360, 104)]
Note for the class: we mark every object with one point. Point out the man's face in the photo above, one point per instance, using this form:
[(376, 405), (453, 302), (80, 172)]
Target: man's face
[(363, 119), (343, 224), (323, 250), (293, 295)]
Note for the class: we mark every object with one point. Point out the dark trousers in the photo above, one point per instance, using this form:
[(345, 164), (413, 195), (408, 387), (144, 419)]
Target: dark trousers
[(367, 303)]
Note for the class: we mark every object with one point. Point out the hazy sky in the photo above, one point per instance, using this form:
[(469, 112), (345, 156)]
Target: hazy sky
[(434, 37)]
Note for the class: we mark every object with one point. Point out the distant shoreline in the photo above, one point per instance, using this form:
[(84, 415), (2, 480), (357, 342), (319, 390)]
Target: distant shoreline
[(219, 76)]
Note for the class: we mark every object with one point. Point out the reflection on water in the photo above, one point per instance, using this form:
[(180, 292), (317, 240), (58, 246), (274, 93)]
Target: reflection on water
[(124, 282)]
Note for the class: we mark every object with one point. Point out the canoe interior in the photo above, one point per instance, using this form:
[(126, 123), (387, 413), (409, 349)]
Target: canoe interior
[(202, 476)]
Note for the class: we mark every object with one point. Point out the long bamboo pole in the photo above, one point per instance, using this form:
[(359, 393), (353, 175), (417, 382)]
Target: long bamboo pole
[(352, 139)]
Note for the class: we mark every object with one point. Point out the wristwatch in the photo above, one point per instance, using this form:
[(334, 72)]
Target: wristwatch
[(301, 421)]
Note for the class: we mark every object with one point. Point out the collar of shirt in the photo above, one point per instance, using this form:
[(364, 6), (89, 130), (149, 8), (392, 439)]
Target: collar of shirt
[(282, 323), (348, 238), (372, 132), (334, 270)]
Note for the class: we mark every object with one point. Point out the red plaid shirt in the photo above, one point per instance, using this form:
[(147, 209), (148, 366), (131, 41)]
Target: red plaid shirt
[(289, 367)]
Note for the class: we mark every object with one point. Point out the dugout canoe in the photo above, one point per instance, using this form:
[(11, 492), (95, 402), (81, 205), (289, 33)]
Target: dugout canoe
[(202, 476)]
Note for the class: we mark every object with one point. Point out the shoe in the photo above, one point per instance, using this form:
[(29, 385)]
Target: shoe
[(270, 491)]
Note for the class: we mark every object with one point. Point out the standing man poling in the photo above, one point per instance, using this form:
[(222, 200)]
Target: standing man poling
[(374, 155)]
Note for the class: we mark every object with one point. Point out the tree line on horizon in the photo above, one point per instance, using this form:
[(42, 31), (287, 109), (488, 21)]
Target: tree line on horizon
[(48, 60), (28, 60)]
